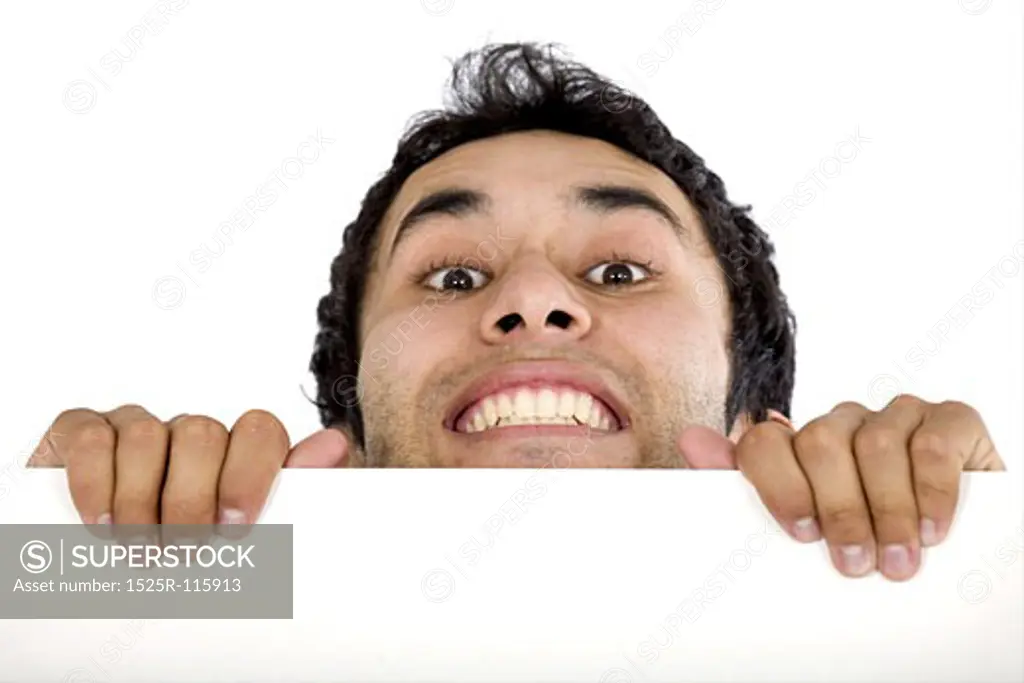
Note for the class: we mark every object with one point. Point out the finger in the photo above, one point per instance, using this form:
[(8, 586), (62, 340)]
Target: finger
[(140, 461), (325, 448), (256, 452), (950, 439), (706, 449), (825, 452), (960, 425), (197, 451), (766, 458), (45, 452), (87, 451), (880, 448)]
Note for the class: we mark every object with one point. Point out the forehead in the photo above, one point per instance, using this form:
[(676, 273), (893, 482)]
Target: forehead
[(533, 166)]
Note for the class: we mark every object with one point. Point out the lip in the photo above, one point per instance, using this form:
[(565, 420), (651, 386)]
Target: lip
[(538, 374)]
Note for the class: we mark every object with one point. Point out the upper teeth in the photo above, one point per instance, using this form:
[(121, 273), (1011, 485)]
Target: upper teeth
[(526, 406)]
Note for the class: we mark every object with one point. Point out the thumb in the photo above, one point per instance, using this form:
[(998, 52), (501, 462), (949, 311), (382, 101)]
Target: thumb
[(325, 448), (706, 449)]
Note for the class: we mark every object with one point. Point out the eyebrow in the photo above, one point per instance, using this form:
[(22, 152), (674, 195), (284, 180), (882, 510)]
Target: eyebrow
[(603, 199), (454, 202), (607, 199)]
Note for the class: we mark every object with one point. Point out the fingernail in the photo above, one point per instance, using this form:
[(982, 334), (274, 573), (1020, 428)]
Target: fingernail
[(896, 560), (806, 530), (137, 540), (929, 532), (854, 560), (143, 539), (100, 526), (231, 516)]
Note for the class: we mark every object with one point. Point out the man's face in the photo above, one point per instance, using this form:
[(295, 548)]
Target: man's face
[(530, 304)]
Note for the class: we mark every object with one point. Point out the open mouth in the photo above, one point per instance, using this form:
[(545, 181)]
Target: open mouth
[(530, 406), (536, 405)]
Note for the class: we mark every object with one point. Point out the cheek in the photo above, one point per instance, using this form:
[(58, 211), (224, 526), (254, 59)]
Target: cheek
[(409, 344), (675, 334)]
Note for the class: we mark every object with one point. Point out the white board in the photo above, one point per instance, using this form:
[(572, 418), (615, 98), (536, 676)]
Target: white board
[(597, 579)]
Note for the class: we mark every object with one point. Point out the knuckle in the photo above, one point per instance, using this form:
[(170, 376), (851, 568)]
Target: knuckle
[(70, 415), (144, 429), (135, 498), (931, 490), (894, 508), (134, 501), (188, 505), (905, 401), (851, 406), (791, 507), (200, 428), (961, 408), (929, 449), (876, 438), (759, 437), (846, 522), (259, 422), (816, 436), (93, 436)]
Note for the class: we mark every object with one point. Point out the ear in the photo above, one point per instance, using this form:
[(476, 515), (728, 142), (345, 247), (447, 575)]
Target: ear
[(744, 423)]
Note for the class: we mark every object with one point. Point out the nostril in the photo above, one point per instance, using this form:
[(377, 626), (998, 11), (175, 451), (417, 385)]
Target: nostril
[(560, 318), (510, 322)]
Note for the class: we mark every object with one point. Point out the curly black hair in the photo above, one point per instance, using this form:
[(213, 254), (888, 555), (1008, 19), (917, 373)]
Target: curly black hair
[(509, 87)]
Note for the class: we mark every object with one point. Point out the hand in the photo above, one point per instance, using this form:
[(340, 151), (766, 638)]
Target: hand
[(877, 485), (127, 467)]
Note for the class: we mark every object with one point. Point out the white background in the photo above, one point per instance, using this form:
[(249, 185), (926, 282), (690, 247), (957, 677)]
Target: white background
[(111, 181), (102, 204)]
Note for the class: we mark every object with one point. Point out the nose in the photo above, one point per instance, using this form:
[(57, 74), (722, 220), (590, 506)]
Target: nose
[(534, 303)]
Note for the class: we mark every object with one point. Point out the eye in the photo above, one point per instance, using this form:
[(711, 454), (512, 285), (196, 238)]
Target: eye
[(460, 278), (617, 273)]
